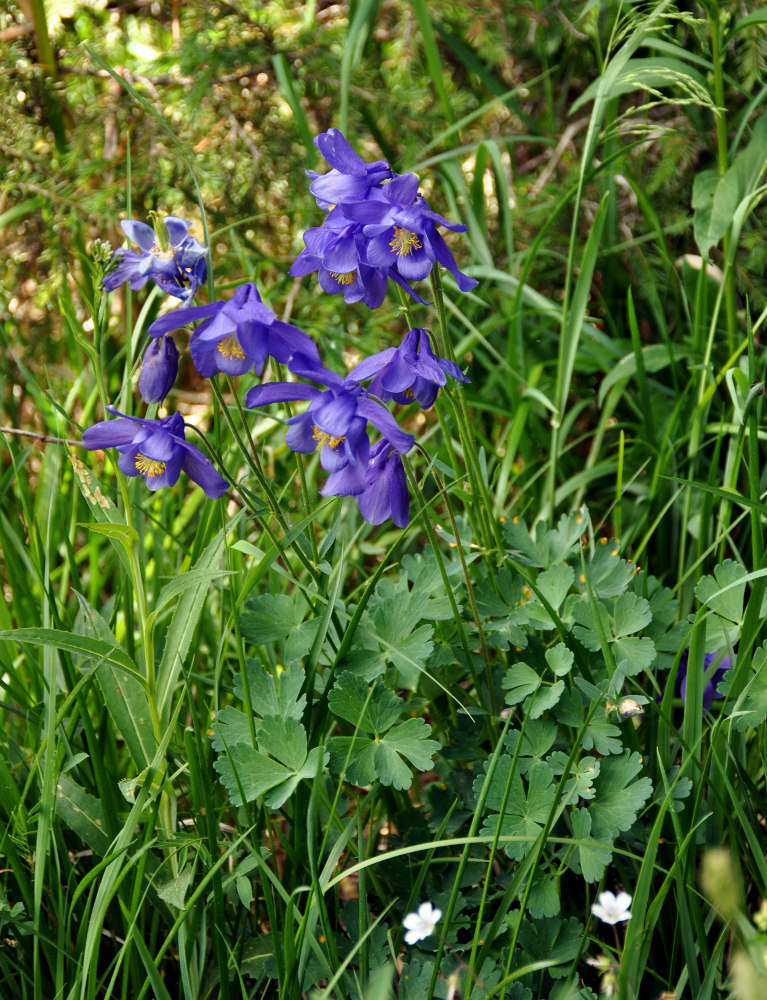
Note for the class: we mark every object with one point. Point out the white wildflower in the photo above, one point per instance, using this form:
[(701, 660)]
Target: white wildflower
[(421, 924), (612, 909)]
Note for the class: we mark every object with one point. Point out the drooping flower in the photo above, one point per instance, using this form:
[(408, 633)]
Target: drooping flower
[(338, 251), (401, 230), (409, 372), (156, 450), (159, 369), (335, 423), (236, 334), (710, 690), (169, 256), (385, 493), (377, 227), (612, 909), (350, 178), (421, 924)]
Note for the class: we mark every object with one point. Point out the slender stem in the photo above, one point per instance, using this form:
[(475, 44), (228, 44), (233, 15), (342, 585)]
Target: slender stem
[(415, 490), (457, 402), (722, 153)]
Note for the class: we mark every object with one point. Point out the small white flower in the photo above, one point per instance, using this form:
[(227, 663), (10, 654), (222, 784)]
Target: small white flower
[(612, 909), (421, 924)]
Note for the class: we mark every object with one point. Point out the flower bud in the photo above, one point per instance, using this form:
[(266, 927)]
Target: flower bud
[(159, 370)]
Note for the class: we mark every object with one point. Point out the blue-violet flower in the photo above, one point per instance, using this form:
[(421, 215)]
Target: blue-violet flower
[(156, 450), (335, 422), (236, 334), (159, 369), (170, 257), (409, 372), (401, 231), (385, 493), (351, 177)]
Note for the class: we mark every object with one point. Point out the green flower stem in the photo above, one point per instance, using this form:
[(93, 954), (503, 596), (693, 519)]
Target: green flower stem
[(258, 472), (466, 577), (426, 520), (145, 627), (477, 529), (722, 153), (465, 854), (460, 411), (493, 853)]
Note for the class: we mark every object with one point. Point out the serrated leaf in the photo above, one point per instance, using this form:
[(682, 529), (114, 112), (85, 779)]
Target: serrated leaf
[(539, 737), (554, 583), (582, 775), (247, 775), (283, 739), (526, 811), (603, 737), (750, 709), (593, 855), (549, 545), (619, 796), (174, 892), (273, 694), (230, 728), (545, 698), (520, 681), (374, 709), (560, 659), (589, 619), (543, 898), (630, 614), (410, 739), (382, 759), (633, 655), (270, 617), (300, 641), (608, 575), (730, 603)]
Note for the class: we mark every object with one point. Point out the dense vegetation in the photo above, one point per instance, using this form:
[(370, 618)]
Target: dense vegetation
[(245, 736)]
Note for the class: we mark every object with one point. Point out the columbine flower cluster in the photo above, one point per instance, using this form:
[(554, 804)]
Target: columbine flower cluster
[(377, 227)]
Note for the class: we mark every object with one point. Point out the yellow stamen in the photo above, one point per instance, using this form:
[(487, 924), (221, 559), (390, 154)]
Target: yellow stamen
[(345, 277), (149, 466), (408, 394), (404, 242), (230, 348), (322, 439)]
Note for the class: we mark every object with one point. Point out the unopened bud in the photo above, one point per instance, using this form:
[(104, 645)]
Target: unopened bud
[(629, 707), (159, 370)]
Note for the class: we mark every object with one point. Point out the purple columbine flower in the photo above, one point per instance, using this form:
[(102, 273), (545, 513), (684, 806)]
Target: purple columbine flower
[(709, 691), (156, 450), (335, 422), (159, 369), (338, 249), (237, 334), (351, 177), (401, 231), (385, 493), (409, 372), (168, 256)]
